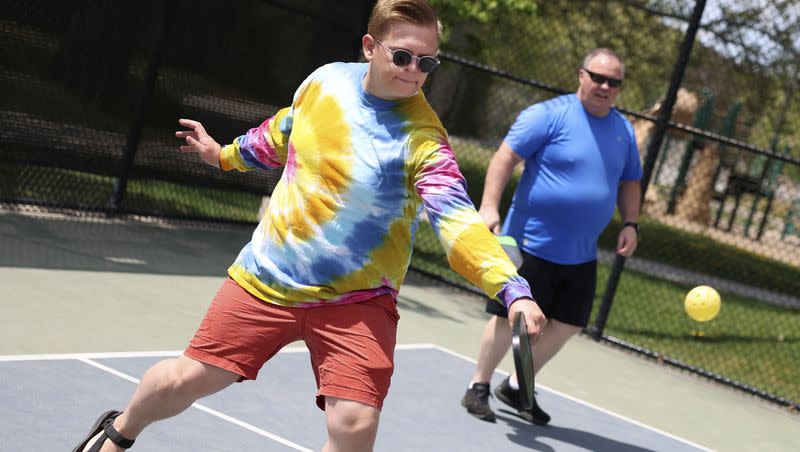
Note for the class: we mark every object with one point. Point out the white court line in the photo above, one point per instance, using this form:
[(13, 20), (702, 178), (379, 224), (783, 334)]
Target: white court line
[(82, 356), (201, 407), (588, 404), (87, 357), (154, 354), (105, 355)]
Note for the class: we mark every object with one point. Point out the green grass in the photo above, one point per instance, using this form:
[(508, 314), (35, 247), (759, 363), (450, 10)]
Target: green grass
[(182, 200), (749, 341), (78, 189), (701, 254)]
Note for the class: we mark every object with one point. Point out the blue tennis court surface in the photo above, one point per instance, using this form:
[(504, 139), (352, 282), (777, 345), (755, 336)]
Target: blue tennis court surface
[(50, 401)]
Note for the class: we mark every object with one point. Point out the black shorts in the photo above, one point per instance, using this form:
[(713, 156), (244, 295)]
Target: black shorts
[(563, 292)]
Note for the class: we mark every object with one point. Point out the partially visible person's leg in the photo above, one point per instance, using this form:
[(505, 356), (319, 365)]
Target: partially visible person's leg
[(352, 426), (166, 389), (218, 355), (495, 342), (570, 314), (554, 335), (567, 315), (570, 310), (496, 338), (352, 353)]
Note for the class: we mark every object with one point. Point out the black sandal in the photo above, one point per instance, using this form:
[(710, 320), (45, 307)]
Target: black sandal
[(105, 424)]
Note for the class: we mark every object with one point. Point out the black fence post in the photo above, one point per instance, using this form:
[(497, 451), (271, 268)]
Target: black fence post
[(596, 330), (137, 122)]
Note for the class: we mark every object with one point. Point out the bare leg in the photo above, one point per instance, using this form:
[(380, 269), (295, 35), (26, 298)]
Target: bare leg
[(495, 342), (166, 389), (352, 426), (554, 335)]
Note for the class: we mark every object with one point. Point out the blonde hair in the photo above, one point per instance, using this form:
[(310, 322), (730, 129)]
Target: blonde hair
[(388, 12)]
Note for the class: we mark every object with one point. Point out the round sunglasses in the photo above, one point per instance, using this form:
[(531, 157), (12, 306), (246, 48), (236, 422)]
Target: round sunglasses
[(402, 58)]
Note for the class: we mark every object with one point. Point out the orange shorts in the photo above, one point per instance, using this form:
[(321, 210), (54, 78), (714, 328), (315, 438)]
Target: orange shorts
[(351, 346)]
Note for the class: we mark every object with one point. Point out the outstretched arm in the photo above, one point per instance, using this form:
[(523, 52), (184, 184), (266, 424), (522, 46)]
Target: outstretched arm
[(199, 141), (471, 248), (264, 147)]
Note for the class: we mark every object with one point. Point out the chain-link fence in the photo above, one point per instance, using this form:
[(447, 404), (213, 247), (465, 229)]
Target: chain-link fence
[(717, 234), (91, 92), (724, 185)]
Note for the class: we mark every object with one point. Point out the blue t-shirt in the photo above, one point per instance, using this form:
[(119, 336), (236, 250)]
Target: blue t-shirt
[(574, 163)]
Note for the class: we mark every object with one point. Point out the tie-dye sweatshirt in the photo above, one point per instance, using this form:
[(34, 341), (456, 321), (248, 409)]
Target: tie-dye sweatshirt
[(358, 170)]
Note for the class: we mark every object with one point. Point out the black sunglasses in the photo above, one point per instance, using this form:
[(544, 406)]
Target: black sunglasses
[(600, 79), (402, 58)]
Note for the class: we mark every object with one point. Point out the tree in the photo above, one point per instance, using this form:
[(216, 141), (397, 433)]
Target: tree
[(758, 44)]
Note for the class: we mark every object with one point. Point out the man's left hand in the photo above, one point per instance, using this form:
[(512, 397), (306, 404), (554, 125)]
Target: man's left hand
[(626, 241)]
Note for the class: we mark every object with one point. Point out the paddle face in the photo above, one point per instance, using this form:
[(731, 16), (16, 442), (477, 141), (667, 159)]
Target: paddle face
[(510, 247), (523, 361)]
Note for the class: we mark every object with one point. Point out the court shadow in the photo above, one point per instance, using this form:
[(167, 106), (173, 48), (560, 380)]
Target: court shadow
[(475, 297), (422, 277), (710, 336), (405, 303), (529, 435), (92, 244)]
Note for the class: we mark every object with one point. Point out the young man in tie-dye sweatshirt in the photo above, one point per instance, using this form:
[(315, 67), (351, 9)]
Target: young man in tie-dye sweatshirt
[(362, 155)]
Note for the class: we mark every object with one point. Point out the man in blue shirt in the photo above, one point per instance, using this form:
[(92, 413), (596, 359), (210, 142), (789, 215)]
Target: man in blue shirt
[(581, 160)]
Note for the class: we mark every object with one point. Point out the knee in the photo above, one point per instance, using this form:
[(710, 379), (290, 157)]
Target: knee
[(356, 420), (170, 378), (189, 378)]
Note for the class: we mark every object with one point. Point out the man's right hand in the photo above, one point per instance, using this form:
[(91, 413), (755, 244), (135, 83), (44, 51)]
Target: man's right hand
[(492, 219), (197, 140), (534, 318)]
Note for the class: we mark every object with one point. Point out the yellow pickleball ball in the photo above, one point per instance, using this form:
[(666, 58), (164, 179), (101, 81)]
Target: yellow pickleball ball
[(702, 303)]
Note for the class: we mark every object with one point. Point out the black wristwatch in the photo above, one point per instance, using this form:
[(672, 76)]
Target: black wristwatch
[(632, 224)]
